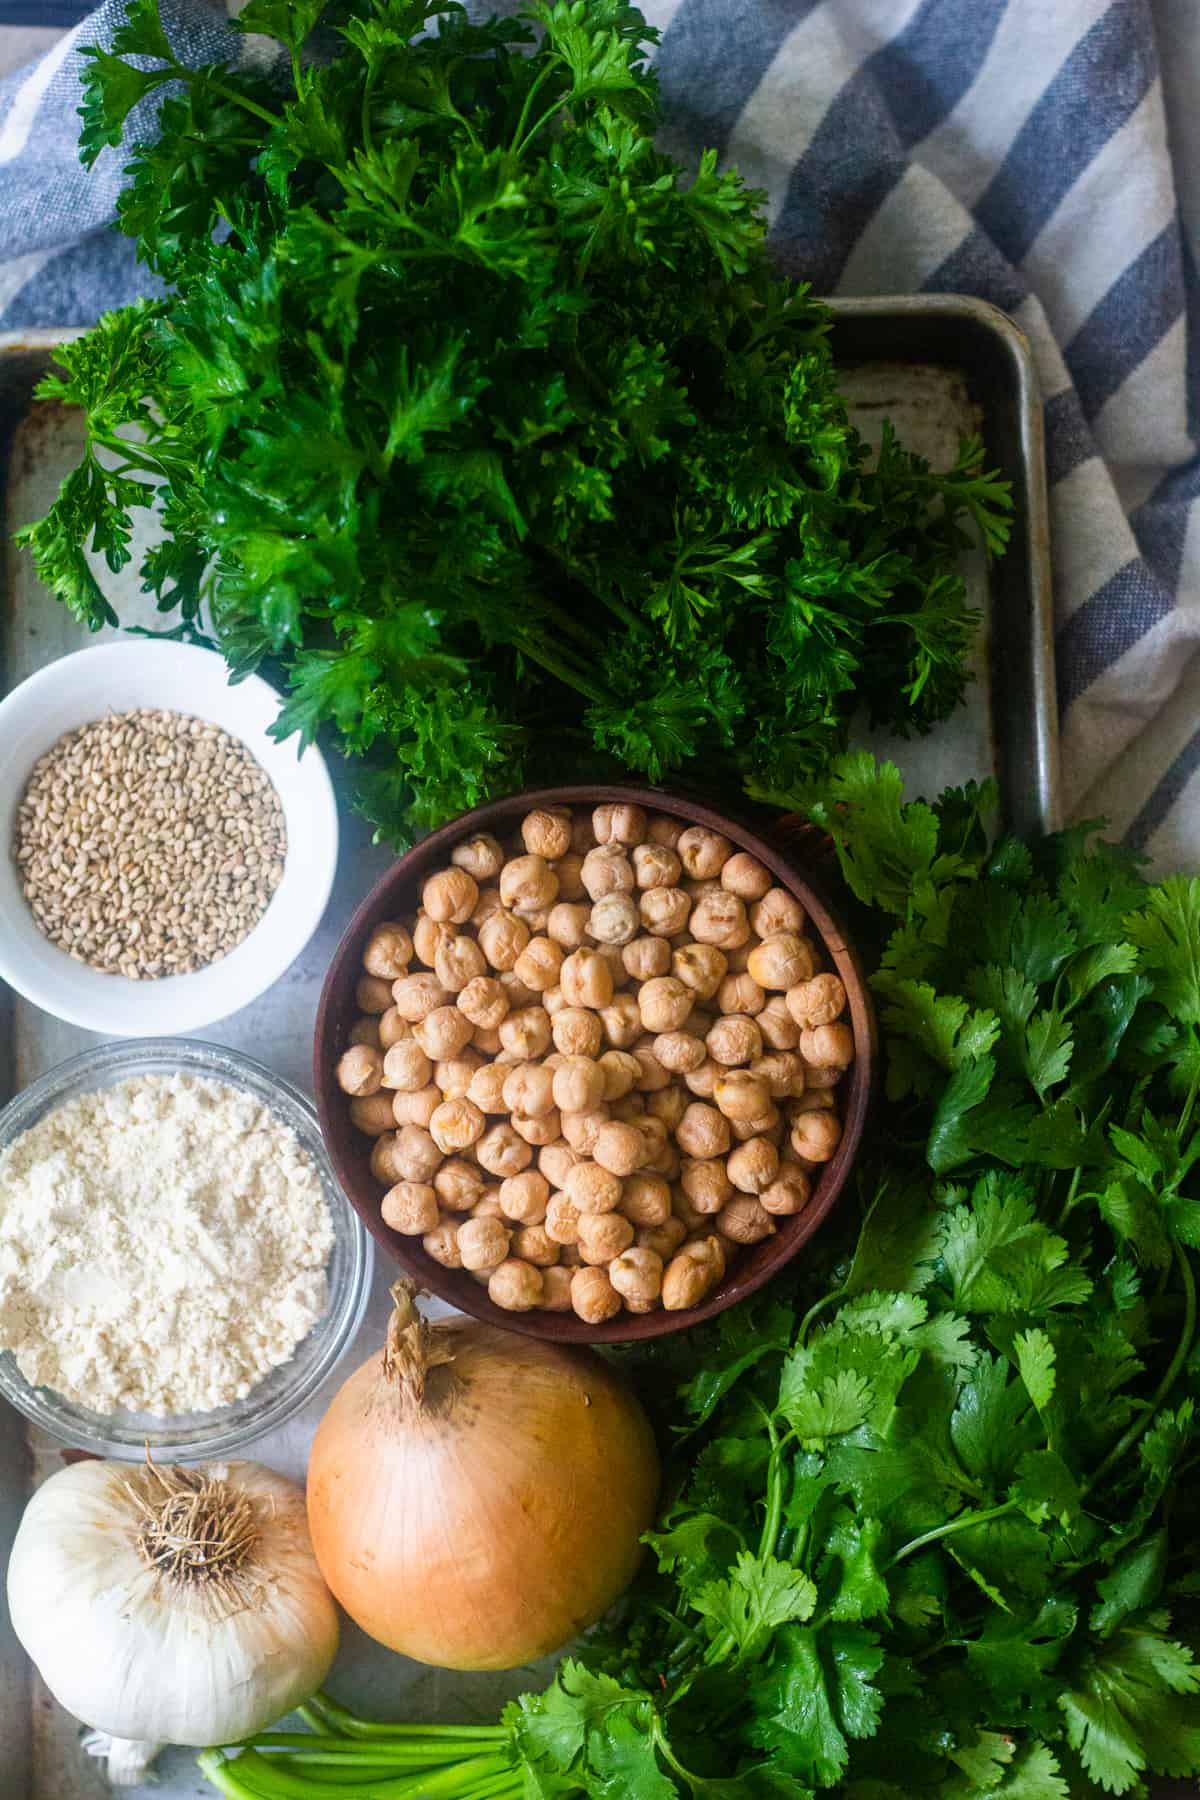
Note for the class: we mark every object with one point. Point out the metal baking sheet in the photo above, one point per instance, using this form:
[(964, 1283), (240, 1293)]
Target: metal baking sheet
[(937, 367)]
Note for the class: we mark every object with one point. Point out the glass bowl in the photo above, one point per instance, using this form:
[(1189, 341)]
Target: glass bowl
[(229, 1429)]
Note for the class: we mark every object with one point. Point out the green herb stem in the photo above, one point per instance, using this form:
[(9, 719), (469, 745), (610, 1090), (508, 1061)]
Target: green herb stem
[(1142, 1423), (963, 1522)]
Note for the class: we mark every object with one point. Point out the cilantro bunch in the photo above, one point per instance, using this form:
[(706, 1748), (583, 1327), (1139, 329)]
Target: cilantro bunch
[(928, 1527), (495, 436)]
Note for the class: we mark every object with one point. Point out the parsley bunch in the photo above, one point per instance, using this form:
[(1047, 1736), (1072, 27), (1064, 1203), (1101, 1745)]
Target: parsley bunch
[(496, 436)]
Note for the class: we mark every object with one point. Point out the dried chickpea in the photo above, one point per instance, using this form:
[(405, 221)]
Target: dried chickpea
[(821, 1075), (645, 957), (519, 996), (580, 1129), (455, 1125), (535, 1245), (782, 1071), (652, 1076), (753, 1166), (703, 1081), (646, 1199), (410, 1207), (365, 1030), (457, 961), (383, 1159), (515, 1285), (654, 866), (790, 1192), (811, 1100), (407, 1067), (459, 1185), (629, 1108), (568, 924), (734, 1040), (428, 937), (703, 853), (482, 1243), (593, 1189), (603, 1236), (527, 884), (488, 1206), (503, 1151), (389, 951), (816, 1135), (766, 1124), (539, 963), (416, 996), (745, 876), (739, 959), (486, 907), (360, 1070), (552, 1000), (700, 967), (556, 1290), (741, 1095), (577, 1032), (663, 1003), (679, 1051), (619, 822), (526, 1033), (691, 1272), (454, 1074), (442, 1033), (523, 1197), (783, 961), (449, 896), (622, 1021), (593, 1296), (442, 1245), (586, 979), (543, 1129), (669, 1104), (779, 1029), (569, 869), (619, 1148), (578, 1084), (555, 1160), (637, 1276), (828, 1046), (613, 920), (818, 1001), (529, 1090), (706, 1183), (562, 1219), (664, 911), (776, 912), (663, 1239), (502, 939), (372, 994), (484, 1002), (620, 1071), (606, 870), (745, 1221), (741, 994), (547, 832), (481, 856), (417, 1105), (614, 956), (392, 1027), (582, 836), (664, 830), (719, 918), (696, 890), (703, 1131)]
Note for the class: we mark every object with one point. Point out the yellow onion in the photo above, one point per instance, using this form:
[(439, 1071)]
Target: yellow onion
[(476, 1498)]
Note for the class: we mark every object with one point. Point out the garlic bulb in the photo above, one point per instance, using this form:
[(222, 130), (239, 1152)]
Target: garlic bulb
[(171, 1606)]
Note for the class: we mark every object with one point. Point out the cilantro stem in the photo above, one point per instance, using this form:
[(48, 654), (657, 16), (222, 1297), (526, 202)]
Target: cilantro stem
[(962, 1523), (1141, 1425), (814, 1312)]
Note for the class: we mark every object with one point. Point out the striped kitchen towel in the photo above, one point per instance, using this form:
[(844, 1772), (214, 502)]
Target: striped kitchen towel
[(1044, 154)]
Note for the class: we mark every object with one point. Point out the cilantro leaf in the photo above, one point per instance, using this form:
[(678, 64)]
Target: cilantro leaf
[(758, 1596), (1166, 931)]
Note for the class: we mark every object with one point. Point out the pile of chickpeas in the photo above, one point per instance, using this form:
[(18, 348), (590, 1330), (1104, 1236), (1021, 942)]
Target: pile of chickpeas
[(597, 1062)]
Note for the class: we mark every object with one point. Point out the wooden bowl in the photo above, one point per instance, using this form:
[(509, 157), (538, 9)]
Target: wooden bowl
[(395, 896)]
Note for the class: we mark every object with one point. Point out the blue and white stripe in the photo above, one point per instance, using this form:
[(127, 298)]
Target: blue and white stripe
[(1044, 154)]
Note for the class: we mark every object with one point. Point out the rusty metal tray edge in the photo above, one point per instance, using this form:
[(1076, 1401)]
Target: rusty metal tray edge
[(952, 330)]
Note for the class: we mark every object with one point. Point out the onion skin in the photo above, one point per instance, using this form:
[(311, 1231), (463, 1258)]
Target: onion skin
[(490, 1518)]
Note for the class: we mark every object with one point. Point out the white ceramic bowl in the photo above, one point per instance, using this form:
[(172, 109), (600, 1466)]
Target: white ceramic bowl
[(141, 672)]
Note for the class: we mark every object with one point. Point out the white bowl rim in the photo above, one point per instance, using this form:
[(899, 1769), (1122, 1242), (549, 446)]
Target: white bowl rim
[(198, 681)]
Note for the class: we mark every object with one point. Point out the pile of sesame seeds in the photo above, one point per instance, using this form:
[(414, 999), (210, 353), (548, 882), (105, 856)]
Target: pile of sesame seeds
[(148, 843)]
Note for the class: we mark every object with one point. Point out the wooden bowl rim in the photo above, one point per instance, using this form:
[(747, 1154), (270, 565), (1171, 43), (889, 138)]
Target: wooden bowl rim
[(391, 896)]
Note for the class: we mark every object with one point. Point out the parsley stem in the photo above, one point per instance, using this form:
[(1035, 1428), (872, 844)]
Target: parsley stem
[(569, 677), (962, 1523), (1141, 1425), (542, 76)]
